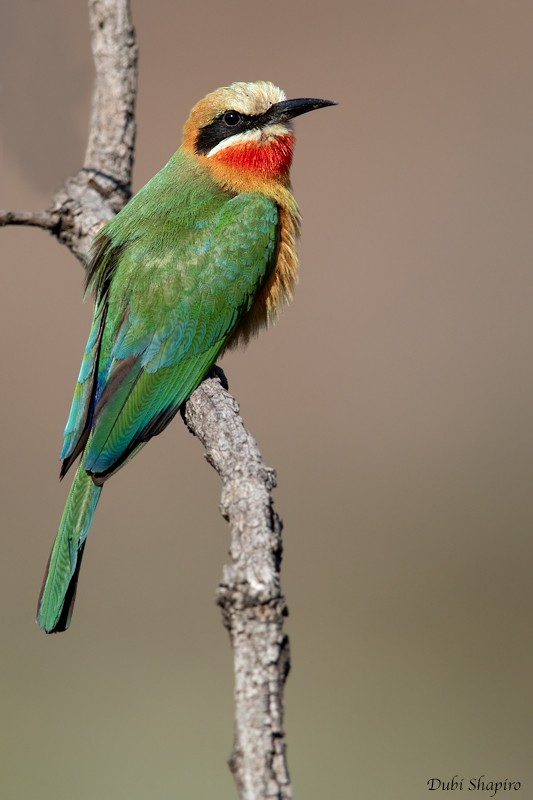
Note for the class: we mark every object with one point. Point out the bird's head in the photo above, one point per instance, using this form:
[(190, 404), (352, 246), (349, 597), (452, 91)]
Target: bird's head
[(243, 134)]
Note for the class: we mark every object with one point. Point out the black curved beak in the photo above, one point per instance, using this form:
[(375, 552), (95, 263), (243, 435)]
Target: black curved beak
[(287, 109)]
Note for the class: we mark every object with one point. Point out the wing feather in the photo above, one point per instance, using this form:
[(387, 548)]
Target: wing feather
[(169, 314)]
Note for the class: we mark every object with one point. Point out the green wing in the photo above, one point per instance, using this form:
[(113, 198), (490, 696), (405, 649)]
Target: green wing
[(165, 313)]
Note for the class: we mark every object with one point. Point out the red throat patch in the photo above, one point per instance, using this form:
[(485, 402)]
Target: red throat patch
[(271, 157)]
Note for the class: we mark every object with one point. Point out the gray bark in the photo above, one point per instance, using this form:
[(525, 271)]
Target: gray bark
[(249, 595), (253, 608)]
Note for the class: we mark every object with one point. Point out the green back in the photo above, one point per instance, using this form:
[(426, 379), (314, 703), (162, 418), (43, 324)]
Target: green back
[(174, 272)]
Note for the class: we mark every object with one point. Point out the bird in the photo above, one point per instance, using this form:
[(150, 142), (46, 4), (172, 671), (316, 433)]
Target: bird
[(198, 261)]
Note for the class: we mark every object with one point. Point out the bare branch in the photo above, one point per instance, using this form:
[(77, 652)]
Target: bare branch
[(110, 148), (102, 186), (249, 594), (39, 219)]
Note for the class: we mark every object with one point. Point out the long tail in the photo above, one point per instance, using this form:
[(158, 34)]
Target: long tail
[(58, 592)]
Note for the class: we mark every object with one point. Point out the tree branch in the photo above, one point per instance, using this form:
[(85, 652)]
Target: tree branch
[(111, 144), (253, 608), (39, 219), (249, 594), (103, 185)]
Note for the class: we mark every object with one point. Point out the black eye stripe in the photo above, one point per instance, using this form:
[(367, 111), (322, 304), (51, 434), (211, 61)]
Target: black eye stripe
[(218, 130)]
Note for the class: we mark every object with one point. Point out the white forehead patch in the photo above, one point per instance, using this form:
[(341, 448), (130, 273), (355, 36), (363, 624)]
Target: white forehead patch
[(251, 98)]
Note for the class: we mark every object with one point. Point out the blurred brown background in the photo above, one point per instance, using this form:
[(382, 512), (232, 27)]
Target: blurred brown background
[(394, 399)]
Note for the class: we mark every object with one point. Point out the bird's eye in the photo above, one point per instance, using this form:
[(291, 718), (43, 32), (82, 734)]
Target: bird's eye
[(232, 118)]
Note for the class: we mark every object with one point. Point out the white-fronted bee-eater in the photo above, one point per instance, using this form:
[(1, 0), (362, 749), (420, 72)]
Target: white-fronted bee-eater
[(198, 260)]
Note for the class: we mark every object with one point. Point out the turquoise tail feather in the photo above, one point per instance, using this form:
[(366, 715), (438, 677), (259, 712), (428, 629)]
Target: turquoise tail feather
[(58, 593)]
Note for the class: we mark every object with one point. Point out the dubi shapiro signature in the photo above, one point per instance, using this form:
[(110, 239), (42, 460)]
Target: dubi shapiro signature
[(481, 784)]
